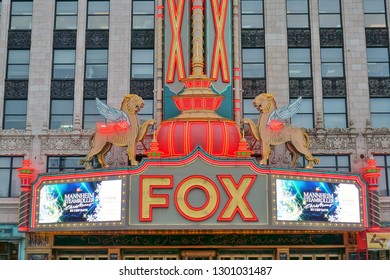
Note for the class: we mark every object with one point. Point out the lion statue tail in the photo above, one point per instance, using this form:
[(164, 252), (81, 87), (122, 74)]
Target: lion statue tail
[(91, 140), (307, 144), (83, 161), (306, 138)]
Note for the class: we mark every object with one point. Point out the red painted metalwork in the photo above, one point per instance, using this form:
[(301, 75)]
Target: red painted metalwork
[(180, 137), (176, 57), (219, 11), (26, 174)]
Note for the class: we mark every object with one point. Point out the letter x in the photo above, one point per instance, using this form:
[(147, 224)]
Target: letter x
[(219, 56), (176, 50), (237, 198)]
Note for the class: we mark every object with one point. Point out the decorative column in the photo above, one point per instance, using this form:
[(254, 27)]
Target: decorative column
[(159, 60), (197, 25), (26, 174), (237, 62), (371, 174), (154, 151)]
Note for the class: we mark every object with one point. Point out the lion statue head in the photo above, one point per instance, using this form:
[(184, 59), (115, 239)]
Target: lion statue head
[(132, 103), (264, 102)]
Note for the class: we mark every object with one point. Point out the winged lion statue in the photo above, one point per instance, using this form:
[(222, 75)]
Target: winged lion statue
[(271, 129), (121, 129)]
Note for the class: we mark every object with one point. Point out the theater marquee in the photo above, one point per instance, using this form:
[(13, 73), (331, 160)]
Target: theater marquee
[(222, 194)]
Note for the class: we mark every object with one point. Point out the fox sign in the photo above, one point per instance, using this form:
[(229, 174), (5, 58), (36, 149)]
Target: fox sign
[(214, 198)]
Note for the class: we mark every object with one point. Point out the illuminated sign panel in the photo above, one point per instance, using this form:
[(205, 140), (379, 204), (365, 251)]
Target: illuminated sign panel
[(316, 201), (198, 193), (220, 197), (80, 202)]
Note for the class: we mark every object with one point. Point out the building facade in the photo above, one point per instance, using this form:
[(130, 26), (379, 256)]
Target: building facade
[(58, 56)]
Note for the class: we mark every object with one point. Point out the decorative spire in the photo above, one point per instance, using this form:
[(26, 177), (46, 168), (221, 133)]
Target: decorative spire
[(154, 151), (243, 150)]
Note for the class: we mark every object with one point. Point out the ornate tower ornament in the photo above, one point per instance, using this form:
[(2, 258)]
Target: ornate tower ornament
[(199, 124), (122, 129), (192, 30), (271, 130)]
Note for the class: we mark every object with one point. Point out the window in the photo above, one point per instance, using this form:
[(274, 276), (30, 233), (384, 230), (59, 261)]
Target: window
[(146, 113), (10, 182), (297, 14), (241, 256), (66, 15), (91, 114), (299, 62), (66, 163), (331, 162), (64, 64), (98, 14), (319, 256), (335, 114), (332, 62), (375, 13), (143, 14), (378, 62), (142, 64), (15, 112), (304, 118), (8, 249), (253, 63), (18, 64), (384, 180), (21, 15), (249, 111), (96, 66), (61, 114), (252, 14), (82, 256), (380, 112), (145, 256), (329, 13)]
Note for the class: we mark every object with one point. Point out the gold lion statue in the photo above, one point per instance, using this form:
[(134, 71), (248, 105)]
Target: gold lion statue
[(122, 129), (270, 129)]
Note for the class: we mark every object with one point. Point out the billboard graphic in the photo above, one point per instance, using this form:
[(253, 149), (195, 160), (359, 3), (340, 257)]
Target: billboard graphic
[(96, 201), (315, 201)]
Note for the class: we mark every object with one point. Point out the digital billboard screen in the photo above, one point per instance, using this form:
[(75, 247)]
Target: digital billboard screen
[(314, 201), (94, 201)]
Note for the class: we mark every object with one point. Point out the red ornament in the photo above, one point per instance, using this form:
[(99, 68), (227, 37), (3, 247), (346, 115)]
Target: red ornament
[(180, 137), (112, 127), (198, 124), (276, 125)]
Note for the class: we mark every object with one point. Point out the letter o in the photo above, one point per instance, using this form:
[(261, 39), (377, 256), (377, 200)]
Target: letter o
[(197, 213)]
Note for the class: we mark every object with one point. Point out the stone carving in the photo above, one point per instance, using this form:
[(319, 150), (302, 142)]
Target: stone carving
[(16, 141)]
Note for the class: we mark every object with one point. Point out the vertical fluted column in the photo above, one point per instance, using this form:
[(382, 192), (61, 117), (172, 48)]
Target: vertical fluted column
[(371, 174), (26, 174), (159, 60), (236, 62), (197, 25)]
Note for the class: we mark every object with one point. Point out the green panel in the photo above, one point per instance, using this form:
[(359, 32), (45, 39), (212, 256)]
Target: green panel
[(220, 240)]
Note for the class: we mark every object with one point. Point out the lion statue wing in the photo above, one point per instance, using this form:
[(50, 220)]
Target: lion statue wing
[(285, 112), (111, 114)]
